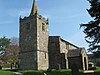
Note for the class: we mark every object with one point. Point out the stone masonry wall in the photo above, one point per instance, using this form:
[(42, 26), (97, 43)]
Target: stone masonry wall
[(28, 60), (84, 59), (42, 43), (64, 50), (75, 60), (54, 53), (57, 53), (28, 43)]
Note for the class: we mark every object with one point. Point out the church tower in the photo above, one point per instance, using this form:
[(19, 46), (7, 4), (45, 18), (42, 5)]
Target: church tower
[(33, 43)]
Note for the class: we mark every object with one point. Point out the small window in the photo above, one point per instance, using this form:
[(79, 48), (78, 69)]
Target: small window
[(28, 26), (43, 27), (67, 46), (45, 55), (28, 37)]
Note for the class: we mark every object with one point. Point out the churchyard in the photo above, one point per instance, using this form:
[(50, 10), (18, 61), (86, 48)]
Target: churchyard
[(37, 47), (41, 72)]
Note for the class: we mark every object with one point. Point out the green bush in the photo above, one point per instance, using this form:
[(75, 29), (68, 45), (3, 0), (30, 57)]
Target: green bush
[(97, 71), (6, 73)]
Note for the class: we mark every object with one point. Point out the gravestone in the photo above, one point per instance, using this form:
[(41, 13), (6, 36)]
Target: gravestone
[(74, 69), (44, 74), (0, 67)]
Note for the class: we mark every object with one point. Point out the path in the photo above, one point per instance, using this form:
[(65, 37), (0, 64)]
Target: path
[(89, 72), (17, 73)]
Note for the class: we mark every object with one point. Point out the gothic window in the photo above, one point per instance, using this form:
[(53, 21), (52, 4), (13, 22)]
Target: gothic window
[(43, 27), (28, 26), (28, 37), (45, 55)]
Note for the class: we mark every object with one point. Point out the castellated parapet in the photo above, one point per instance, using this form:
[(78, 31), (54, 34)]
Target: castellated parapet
[(33, 41)]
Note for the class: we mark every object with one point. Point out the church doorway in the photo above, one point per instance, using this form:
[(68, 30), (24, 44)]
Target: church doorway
[(85, 63)]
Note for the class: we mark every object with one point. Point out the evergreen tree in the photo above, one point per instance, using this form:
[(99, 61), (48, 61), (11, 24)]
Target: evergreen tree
[(92, 28), (4, 42)]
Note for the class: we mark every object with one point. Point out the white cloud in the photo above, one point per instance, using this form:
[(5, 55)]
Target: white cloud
[(46, 16), (24, 12)]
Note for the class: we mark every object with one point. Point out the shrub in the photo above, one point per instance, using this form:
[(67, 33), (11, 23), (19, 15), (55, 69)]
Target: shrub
[(6, 73)]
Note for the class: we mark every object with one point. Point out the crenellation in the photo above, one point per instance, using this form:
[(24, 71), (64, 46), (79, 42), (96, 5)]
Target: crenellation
[(39, 51), (42, 18), (33, 40)]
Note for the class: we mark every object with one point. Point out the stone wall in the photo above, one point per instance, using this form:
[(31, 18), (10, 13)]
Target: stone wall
[(42, 43), (75, 60), (28, 43), (78, 57), (54, 53), (40, 51), (33, 39), (57, 53), (84, 59), (64, 46), (42, 60), (28, 60), (67, 45)]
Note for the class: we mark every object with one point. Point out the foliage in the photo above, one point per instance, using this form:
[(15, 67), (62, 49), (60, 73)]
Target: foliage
[(53, 72), (92, 28), (11, 55), (96, 54), (14, 41), (4, 42), (97, 71), (6, 73), (11, 52)]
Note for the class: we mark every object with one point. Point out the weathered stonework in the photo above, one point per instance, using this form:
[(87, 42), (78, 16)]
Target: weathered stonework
[(33, 41), (78, 57), (39, 51), (28, 60), (58, 49), (63, 54)]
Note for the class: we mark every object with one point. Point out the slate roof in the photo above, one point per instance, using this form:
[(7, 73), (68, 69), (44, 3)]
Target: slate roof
[(64, 40), (74, 53), (69, 43)]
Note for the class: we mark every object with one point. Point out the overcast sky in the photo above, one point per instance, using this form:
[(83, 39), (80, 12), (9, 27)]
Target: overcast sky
[(64, 17)]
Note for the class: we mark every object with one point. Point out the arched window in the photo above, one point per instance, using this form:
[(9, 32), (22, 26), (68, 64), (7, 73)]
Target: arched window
[(45, 55), (43, 27)]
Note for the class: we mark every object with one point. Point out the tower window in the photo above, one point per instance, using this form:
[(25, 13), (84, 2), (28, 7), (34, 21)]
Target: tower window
[(28, 26), (43, 27), (28, 37), (45, 55)]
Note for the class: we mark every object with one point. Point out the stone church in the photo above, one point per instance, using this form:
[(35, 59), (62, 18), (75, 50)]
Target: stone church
[(39, 51)]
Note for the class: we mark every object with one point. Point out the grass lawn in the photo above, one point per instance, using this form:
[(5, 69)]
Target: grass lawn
[(97, 71), (40, 72), (2, 72), (54, 72)]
